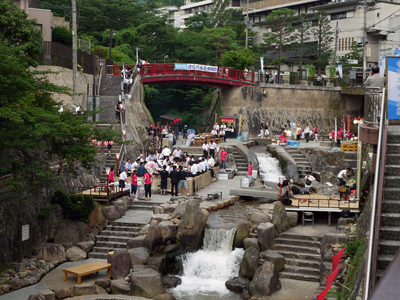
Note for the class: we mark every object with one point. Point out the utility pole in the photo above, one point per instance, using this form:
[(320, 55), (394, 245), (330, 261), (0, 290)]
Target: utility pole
[(365, 41), (246, 22), (74, 54), (336, 41)]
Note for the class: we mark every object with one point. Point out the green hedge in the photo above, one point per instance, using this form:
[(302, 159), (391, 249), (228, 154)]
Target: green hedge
[(74, 207)]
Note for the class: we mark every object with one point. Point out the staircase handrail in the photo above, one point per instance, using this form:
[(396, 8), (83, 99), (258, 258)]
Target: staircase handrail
[(371, 240), (100, 76)]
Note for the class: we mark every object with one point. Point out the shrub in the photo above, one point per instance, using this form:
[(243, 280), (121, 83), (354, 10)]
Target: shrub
[(62, 35), (74, 207)]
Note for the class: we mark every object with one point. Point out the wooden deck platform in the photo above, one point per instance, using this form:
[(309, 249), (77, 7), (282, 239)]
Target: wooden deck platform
[(99, 194), (86, 269)]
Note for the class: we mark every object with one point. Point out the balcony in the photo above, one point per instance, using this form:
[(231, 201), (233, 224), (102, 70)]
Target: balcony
[(266, 4)]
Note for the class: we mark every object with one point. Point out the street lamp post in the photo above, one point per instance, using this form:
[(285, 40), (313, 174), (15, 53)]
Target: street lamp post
[(101, 64), (117, 157), (281, 179), (112, 33), (123, 133), (165, 56), (108, 169)]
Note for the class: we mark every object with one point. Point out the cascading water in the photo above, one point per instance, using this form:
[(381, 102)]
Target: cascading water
[(207, 270), (269, 168)]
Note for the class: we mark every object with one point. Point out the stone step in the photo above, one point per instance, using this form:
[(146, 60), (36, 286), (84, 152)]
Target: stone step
[(389, 206), (388, 247), (393, 158), (105, 250), (140, 207), (112, 239), (114, 245), (298, 255), (392, 170), (118, 223), (112, 233), (147, 203), (392, 193), (300, 237), (393, 148), (390, 219), (98, 255), (351, 163), (393, 138), (301, 270), (350, 155), (298, 242), (303, 277), (392, 181), (314, 264), (123, 228), (297, 248), (389, 233), (303, 167), (383, 261)]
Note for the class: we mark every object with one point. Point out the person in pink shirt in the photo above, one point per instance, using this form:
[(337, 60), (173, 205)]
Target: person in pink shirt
[(147, 185), (111, 175), (134, 184), (282, 138), (224, 155), (250, 170)]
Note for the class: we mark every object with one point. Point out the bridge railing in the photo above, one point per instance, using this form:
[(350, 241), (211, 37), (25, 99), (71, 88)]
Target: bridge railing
[(169, 69)]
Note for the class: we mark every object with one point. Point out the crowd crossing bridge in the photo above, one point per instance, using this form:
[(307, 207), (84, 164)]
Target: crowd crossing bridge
[(194, 74)]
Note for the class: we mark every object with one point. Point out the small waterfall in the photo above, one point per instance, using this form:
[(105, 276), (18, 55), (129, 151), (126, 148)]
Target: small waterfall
[(269, 167), (207, 270)]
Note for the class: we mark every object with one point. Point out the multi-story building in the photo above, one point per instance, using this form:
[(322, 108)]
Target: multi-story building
[(349, 19)]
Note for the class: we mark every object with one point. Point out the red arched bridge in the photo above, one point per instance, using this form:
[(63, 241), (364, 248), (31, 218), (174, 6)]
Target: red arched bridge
[(195, 74)]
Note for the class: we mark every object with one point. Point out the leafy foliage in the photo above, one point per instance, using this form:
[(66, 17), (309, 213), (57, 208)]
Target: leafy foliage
[(74, 207), (301, 38), (238, 59), (62, 35)]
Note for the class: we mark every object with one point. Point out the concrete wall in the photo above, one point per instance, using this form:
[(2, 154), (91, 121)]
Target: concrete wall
[(44, 21), (277, 105)]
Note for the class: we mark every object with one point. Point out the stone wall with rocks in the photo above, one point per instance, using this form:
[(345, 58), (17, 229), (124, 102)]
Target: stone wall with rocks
[(310, 105)]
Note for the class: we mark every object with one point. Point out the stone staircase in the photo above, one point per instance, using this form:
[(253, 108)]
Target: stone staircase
[(240, 162), (110, 90), (303, 166), (389, 233), (302, 254)]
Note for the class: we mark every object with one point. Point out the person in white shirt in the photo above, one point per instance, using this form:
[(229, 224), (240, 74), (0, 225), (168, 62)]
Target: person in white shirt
[(343, 176), (216, 127), (214, 133), (122, 178), (211, 161), (194, 169), (177, 154), (307, 133), (166, 151), (308, 179), (222, 134), (170, 167), (136, 164), (201, 166), (213, 146), (205, 148)]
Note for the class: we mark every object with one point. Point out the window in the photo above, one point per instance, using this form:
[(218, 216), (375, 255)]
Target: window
[(236, 3), (338, 16)]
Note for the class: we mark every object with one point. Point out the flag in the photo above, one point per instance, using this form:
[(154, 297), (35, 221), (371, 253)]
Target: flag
[(262, 64), (291, 128), (340, 69), (382, 66), (336, 258), (329, 281), (348, 124)]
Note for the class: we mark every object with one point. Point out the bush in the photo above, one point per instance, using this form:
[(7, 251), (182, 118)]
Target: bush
[(74, 207), (62, 35)]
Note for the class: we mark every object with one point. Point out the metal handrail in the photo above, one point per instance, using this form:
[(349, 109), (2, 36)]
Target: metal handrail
[(375, 199)]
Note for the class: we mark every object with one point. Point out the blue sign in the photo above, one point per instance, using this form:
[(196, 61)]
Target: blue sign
[(396, 52), (393, 72), (196, 67)]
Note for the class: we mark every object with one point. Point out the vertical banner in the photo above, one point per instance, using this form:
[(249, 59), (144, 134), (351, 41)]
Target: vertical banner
[(340, 70), (262, 64), (348, 124), (291, 129), (396, 52), (393, 72), (382, 65)]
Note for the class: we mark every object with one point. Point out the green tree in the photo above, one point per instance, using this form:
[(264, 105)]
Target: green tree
[(17, 30), (199, 21), (354, 54), (281, 35), (62, 35), (238, 59), (301, 38), (323, 35), (220, 39)]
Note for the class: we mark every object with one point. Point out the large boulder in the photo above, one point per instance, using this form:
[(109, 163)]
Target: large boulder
[(86, 245), (251, 242), (249, 263), (96, 219), (280, 218), (139, 256), (120, 207), (153, 237), (265, 281), (242, 231), (120, 287), (69, 233), (87, 289), (120, 264), (266, 235), (179, 211), (63, 293), (237, 284), (51, 252), (171, 281), (36, 296), (293, 218), (191, 229), (161, 261), (110, 213), (136, 242), (146, 283), (168, 231), (258, 217), (165, 296), (75, 254), (273, 256)]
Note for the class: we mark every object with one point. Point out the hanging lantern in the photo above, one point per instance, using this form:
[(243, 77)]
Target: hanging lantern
[(105, 143), (112, 143), (94, 142), (99, 143)]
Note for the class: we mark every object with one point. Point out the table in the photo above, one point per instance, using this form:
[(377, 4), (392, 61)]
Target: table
[(211, 195), (86, 269)]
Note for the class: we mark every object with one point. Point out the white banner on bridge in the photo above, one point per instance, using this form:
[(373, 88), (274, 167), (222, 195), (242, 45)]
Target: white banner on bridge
[(196, 67)]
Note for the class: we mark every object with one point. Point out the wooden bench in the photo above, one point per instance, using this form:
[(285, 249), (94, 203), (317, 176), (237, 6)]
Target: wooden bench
[(85, 269), (214, 195)]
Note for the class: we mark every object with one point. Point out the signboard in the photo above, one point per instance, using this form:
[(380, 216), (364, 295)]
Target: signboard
[(352, 74), (393, 72), (226, 120), (25, 232), (196, 67), (352, 61), (396, 52)]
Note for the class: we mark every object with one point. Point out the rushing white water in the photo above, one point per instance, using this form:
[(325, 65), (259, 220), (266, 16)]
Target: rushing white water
[(269, 168), (207, 270)]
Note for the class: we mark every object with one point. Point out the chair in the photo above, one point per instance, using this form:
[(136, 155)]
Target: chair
[(308, 217)]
